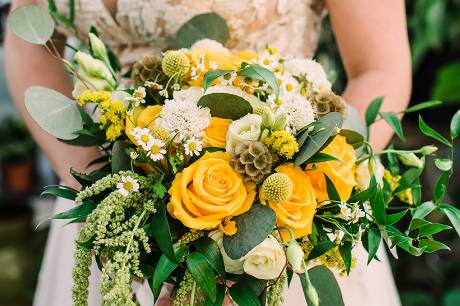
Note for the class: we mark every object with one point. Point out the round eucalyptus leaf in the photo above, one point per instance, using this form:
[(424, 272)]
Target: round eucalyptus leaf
[(224, 105), (54, 113), (31, 23), (203, 26)]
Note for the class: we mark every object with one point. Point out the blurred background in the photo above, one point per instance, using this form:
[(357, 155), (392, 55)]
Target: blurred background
[(432, 279)]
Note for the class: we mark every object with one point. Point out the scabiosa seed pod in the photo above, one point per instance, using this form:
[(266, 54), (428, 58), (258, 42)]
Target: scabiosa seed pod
[(253, 160), (146, 69), (277, 188), (175, 64), (326, 101)]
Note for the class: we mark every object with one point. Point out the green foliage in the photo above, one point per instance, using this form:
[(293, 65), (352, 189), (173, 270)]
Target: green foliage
[(243, 296), (120, 159), (321, 248), (257, 72), (31, 23), (253, 227), (203, 26), (455, 125), (373, 242), (54, 113), (78, 212), (224, 105), (354, 138), (373, 110), (326, 285), (211, 76), (428, 131), (210, 250), (203, 274), (392, 119), (161, 232), (60, 191)]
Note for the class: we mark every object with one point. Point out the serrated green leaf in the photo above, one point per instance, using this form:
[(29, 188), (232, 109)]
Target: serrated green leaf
[(428, 131), (211, 252), (253, 227), (373, 110), (373, 242), (78, 212), (257, 72), (224, 105), (202, 26), (392, 119), (243, 296), (455, 125), (120, 159), (211, 76), (161, 232), (203, 274), (423, 105), (321, 248), (31, 23), (54, 113)]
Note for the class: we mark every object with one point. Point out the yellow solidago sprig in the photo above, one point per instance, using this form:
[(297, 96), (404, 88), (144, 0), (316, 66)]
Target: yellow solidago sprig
[(93, 96), (282, 143)]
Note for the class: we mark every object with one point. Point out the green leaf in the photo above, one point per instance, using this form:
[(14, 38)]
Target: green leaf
[(159, 189), (431, 229), (326, 285), (31, 23), (423, 210), (203, 274), (447, 85), (256, 285), (453, 214), (203, 26), (455, 125), (332, 192), (253, 227), (425, 129), (322, 157), (60, 191), (378, 204), (423, 105), (373, 242), (219, 297), (321, 248), (392, 119), (394, 218), (161, 232), (224, 105), (164, 269), (243, 296), (345, 252), (440, 189), (408, 178), (405, 243), (83, 179), (120, 159), (88, 244), (431, 246), (257, 72), (54, 113), (79, 211), (211, 76), (211, 252), (373, 110), (354, 138), (417, 192), (321, 133)]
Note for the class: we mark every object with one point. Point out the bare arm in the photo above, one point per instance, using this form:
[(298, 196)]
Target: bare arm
[(372, 40), (28, 65)]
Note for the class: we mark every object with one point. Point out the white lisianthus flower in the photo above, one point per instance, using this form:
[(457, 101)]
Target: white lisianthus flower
[(265, 261), (310, 69), (363, 173), (127, 185), (208, 44), (243, 129), (234, 266)]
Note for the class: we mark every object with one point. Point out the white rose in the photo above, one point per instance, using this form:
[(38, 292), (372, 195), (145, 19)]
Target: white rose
[(265, 261), (208, 44), (363, 175), (234, 266), (312, 70), (243, 129)]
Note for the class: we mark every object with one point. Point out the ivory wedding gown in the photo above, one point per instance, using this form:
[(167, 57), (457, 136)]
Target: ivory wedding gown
[(143, 27)]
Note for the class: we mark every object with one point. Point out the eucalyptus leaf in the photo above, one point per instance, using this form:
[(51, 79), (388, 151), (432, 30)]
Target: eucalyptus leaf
[(211, 76), (455, 125), (31, 23), (326, 285), (54, 113), (203, 274), (203, 26), (373, 110), (257, 72), (392, 119), (253, 227), (224, 105), (354, 138), (428, 131)]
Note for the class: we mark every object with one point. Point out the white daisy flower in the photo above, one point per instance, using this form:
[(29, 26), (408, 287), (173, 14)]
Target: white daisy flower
[(227, 79), (157, 150), (127, 185), (138, 96), (288, 84), (269, 61), (193, 146), (143, 137)]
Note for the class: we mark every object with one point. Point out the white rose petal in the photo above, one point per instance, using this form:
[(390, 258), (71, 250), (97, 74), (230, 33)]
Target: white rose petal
[(243, 129), (234, 266)]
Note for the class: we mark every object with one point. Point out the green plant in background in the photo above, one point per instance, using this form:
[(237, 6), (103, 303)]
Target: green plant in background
[(16, 144)]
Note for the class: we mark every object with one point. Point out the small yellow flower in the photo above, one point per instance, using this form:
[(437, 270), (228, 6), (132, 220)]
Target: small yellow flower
[(91, 96), (282, 143)]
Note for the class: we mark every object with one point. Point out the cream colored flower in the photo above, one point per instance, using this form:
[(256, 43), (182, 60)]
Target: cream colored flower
[(247, 128), (193, 146), (295, 255), (265, 261), (157, 150), (234, 266), (363, 173), (127, 185)]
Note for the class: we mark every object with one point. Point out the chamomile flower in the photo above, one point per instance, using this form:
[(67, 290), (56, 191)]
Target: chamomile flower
[(157, 150), (143, 137), (288, 84), (127, 185), (269, 61), (228, 78), (193, 146), (138, 96)]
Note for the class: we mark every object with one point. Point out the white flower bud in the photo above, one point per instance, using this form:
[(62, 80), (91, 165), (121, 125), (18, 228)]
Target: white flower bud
[(410, 160), (427, 150), (268, 118), (280, 122), (295, 255), (98, 47), (93, 67)]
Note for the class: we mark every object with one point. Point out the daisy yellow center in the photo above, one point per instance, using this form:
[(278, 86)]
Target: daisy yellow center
[(192, 146), (266, 62), (227, 76), (155, 149), (278, 102), (145, 138), (289, 87), (138, 95), (128, 186)]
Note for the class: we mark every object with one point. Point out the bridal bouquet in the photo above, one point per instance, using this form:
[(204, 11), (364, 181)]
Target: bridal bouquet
[(227, 172)]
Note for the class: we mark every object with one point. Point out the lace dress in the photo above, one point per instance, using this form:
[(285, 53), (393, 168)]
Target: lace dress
[(142, 27)]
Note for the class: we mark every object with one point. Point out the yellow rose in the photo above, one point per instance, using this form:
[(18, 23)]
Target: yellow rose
[(216, 133), (141, 117), (341, 173), (208, 191), (297, 212)]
